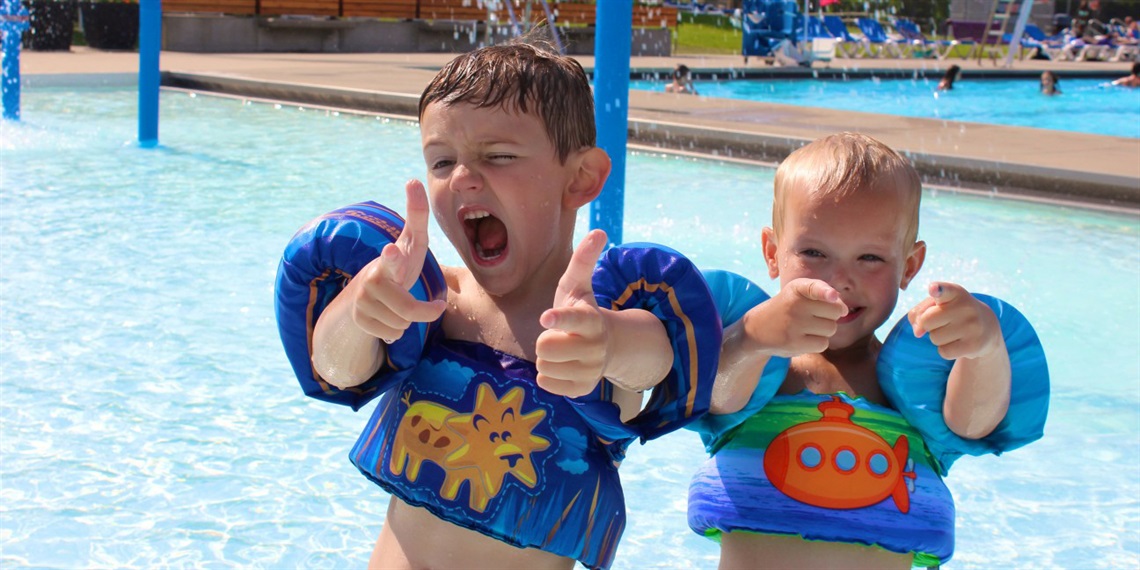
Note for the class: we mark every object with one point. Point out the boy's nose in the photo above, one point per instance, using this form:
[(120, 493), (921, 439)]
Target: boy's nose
[(463, 178), (841, 279)]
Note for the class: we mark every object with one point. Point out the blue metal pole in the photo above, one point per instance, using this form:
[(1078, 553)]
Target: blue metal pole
[(613, 35), (13, 22), (150, 43)]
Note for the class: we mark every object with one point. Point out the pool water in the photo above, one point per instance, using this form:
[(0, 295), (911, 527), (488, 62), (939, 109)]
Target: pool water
[(1085, 105), (149, 417)]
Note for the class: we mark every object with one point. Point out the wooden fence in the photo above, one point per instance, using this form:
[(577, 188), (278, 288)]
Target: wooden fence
[(573, 13)]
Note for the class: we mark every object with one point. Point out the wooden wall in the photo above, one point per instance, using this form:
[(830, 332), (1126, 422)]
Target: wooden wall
[(572, 13)]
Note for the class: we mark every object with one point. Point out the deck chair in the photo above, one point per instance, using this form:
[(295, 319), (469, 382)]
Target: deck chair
[(879, 44), (847, 44), (1126, 43), (766, 23), (921, 46), (1033, 38), (1077, 49), (821, 44)]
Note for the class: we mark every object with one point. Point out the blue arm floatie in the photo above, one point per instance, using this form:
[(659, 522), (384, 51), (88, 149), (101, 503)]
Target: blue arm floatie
[(318, 262), (665, 283), (913, 377), (735, 295)]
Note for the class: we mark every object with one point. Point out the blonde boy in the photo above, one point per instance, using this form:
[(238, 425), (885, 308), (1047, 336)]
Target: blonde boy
[(843, 243)]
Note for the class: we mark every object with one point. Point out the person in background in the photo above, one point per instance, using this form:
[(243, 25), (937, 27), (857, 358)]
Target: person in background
[(1050, 85), (1130, 80), (682, 81), (953, 73)]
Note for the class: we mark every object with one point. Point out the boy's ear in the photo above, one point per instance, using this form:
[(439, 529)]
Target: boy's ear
[(913, 263), (593, 170), (768, 245)]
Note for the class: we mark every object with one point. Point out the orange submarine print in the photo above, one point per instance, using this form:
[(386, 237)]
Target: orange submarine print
[(835, 464)]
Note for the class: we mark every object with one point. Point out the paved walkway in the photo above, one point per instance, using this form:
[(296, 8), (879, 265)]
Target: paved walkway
[(1056, 165)]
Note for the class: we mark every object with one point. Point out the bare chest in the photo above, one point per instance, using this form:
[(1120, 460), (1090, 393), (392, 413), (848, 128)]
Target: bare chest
[(511, 328), (819, 376)]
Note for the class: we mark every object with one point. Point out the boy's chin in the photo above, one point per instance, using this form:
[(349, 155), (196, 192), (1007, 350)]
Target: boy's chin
[(844, 343)]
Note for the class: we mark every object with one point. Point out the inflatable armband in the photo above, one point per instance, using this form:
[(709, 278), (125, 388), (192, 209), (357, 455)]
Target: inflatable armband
[(913, 377), (662, 281), (317, 264), (735, 295)]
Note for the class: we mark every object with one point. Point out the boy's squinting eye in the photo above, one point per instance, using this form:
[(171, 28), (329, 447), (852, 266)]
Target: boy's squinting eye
[(811, 253), (501, 157), (870, 257)]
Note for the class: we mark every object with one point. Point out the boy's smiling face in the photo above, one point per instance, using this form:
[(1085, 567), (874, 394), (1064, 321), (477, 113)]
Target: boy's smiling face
[(856, 244), (499, 192)]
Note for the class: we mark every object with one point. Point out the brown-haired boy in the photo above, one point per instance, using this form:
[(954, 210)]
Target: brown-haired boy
[(500, 435)]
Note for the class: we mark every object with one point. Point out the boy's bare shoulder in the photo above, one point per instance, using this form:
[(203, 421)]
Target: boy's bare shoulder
[(458, 279), (455, 276)]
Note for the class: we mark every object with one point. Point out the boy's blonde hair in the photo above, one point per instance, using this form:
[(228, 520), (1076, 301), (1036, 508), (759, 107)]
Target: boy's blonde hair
[(840, 165), (525, 78)]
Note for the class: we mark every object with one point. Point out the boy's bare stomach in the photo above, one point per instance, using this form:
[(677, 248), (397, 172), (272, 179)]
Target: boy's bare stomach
[(413, 538), (757, 551)]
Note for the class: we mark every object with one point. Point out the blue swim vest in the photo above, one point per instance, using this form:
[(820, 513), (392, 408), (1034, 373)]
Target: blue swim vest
[(463, 431), (828, 467)]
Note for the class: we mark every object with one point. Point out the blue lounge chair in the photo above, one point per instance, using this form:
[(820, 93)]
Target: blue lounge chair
[(848, 44), (820, 42), (920, 45), (766, 23), (1033, 38), (879, 44)]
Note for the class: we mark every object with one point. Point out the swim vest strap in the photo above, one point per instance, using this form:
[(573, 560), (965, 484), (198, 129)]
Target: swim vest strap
[(735, 295), (664, 282), (318, 263), (913, 376)]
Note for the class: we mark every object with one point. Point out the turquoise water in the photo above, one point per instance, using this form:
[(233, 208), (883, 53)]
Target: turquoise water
[(149, 417), (1085, 105)]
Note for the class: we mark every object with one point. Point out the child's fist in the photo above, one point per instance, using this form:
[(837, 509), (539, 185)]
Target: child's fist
[(959, 325), (799, 319)]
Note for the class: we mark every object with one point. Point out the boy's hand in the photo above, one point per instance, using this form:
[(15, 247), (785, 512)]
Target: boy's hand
[(959, 325), (799, 319), (381, 303), (573, 350)]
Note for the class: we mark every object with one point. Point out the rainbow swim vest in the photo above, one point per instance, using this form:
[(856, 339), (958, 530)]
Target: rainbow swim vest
[(828, 467)]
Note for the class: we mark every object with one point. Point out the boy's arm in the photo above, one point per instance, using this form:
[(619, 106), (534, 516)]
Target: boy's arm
[(343, 353), (376, 306), (799, 319), (967, 331)]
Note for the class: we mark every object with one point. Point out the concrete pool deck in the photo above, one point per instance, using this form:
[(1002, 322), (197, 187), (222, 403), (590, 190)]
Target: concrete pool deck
[(1050, 165)]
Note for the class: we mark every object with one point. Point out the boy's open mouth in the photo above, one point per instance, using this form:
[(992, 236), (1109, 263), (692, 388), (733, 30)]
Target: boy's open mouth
[(487, 234)]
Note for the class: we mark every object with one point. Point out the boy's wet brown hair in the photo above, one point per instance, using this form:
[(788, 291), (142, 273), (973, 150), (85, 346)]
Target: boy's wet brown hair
[(527, 78), (840, 165)]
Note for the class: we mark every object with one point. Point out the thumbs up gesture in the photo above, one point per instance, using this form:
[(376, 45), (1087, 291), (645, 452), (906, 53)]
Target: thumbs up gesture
[(959, 325), (573, 351), (382, 305)]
